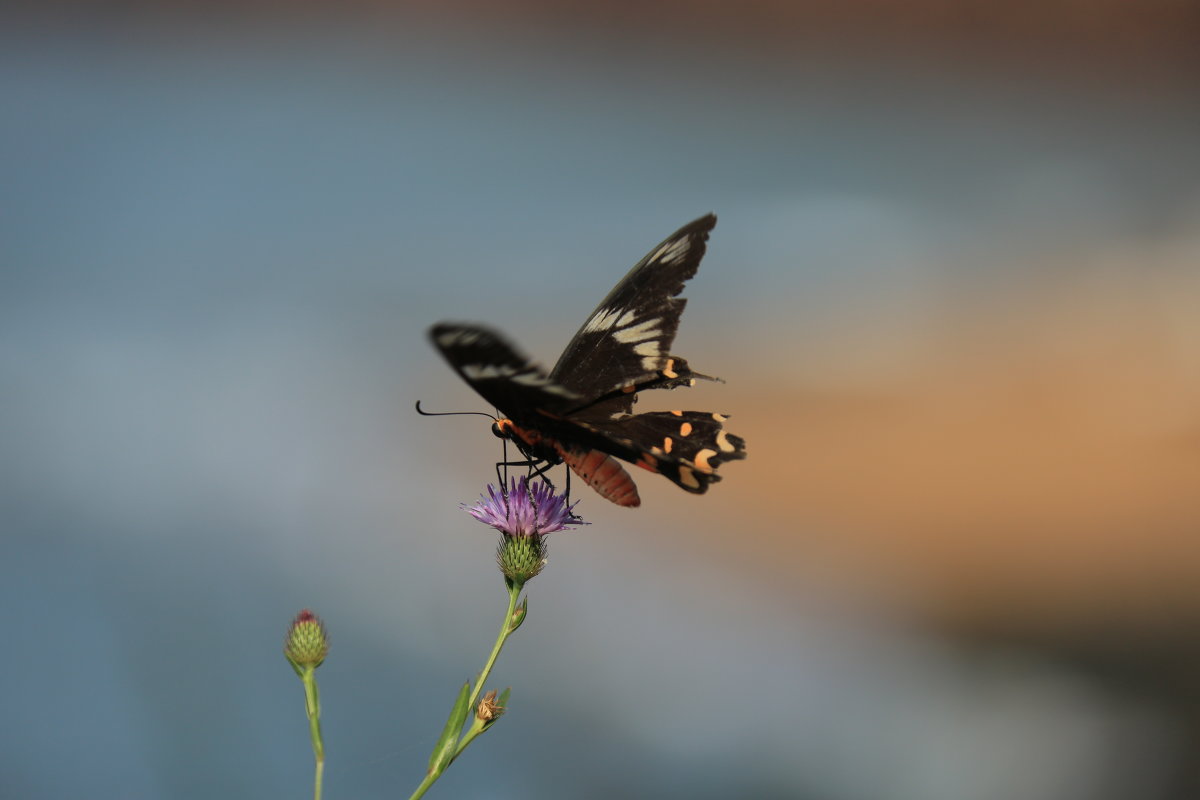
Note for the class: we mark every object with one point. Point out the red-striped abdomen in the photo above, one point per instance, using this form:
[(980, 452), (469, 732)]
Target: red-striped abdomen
[(604, 474)]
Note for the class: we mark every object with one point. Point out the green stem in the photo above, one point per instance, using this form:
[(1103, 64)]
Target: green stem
[(514, 590), (425, 784), (312, 705)]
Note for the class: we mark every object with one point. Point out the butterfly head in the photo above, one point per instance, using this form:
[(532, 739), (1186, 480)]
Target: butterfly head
[(524, 438)]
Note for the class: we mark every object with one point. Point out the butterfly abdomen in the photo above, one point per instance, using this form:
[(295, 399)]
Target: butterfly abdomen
[(602, 472)]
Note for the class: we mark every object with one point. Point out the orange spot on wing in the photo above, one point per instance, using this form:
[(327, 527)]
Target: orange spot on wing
[(647, 462)]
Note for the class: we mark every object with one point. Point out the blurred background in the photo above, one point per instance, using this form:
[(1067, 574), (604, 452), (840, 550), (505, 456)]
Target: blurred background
[(953, 290)]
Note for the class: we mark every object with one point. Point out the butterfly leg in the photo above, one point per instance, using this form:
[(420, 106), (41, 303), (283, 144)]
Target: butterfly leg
[(538, 468), (535, 471), (567, 496), (540, 472)]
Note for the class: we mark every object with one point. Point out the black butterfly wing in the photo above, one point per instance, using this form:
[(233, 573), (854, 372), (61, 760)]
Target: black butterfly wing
[(624, 346), (583, 406), (685, 446), (499, 372)]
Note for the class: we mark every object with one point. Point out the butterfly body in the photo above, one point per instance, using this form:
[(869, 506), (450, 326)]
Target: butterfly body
[(581, 412), (597, 468)]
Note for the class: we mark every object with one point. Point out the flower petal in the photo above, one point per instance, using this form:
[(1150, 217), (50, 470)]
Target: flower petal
[(526, 509)]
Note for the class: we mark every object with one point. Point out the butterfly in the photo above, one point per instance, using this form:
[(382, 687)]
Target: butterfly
[(581, 412)]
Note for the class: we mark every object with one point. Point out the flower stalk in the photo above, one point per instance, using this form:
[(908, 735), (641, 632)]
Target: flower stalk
[(524, 514), (305, 648), (312, 705)]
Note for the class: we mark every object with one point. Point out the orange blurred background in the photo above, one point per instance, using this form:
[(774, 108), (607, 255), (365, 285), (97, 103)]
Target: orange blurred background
[(952, 290)]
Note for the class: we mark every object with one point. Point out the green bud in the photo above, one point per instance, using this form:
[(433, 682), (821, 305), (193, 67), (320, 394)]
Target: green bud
[(521, 557), (306, 643)]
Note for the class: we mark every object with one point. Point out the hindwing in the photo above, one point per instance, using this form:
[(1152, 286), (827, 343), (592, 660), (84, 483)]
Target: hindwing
[(685, 446)]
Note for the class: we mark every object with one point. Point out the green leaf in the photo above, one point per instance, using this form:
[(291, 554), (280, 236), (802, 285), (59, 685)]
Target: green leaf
[(519, 615), (443, 751)]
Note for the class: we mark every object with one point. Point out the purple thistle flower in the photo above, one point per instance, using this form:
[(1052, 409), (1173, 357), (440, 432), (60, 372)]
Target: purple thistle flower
[(526, 510)]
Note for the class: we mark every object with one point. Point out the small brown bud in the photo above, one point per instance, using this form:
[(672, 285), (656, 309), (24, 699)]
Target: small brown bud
[(488, 709)]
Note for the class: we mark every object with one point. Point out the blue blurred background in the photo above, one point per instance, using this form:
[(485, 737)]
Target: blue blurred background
[(953, 291)]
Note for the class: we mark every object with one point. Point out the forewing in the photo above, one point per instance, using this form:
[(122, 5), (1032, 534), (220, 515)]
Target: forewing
[(627, 340), (498, 371)]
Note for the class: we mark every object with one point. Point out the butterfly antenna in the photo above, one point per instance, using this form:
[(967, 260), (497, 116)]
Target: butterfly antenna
[(425, 413)]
